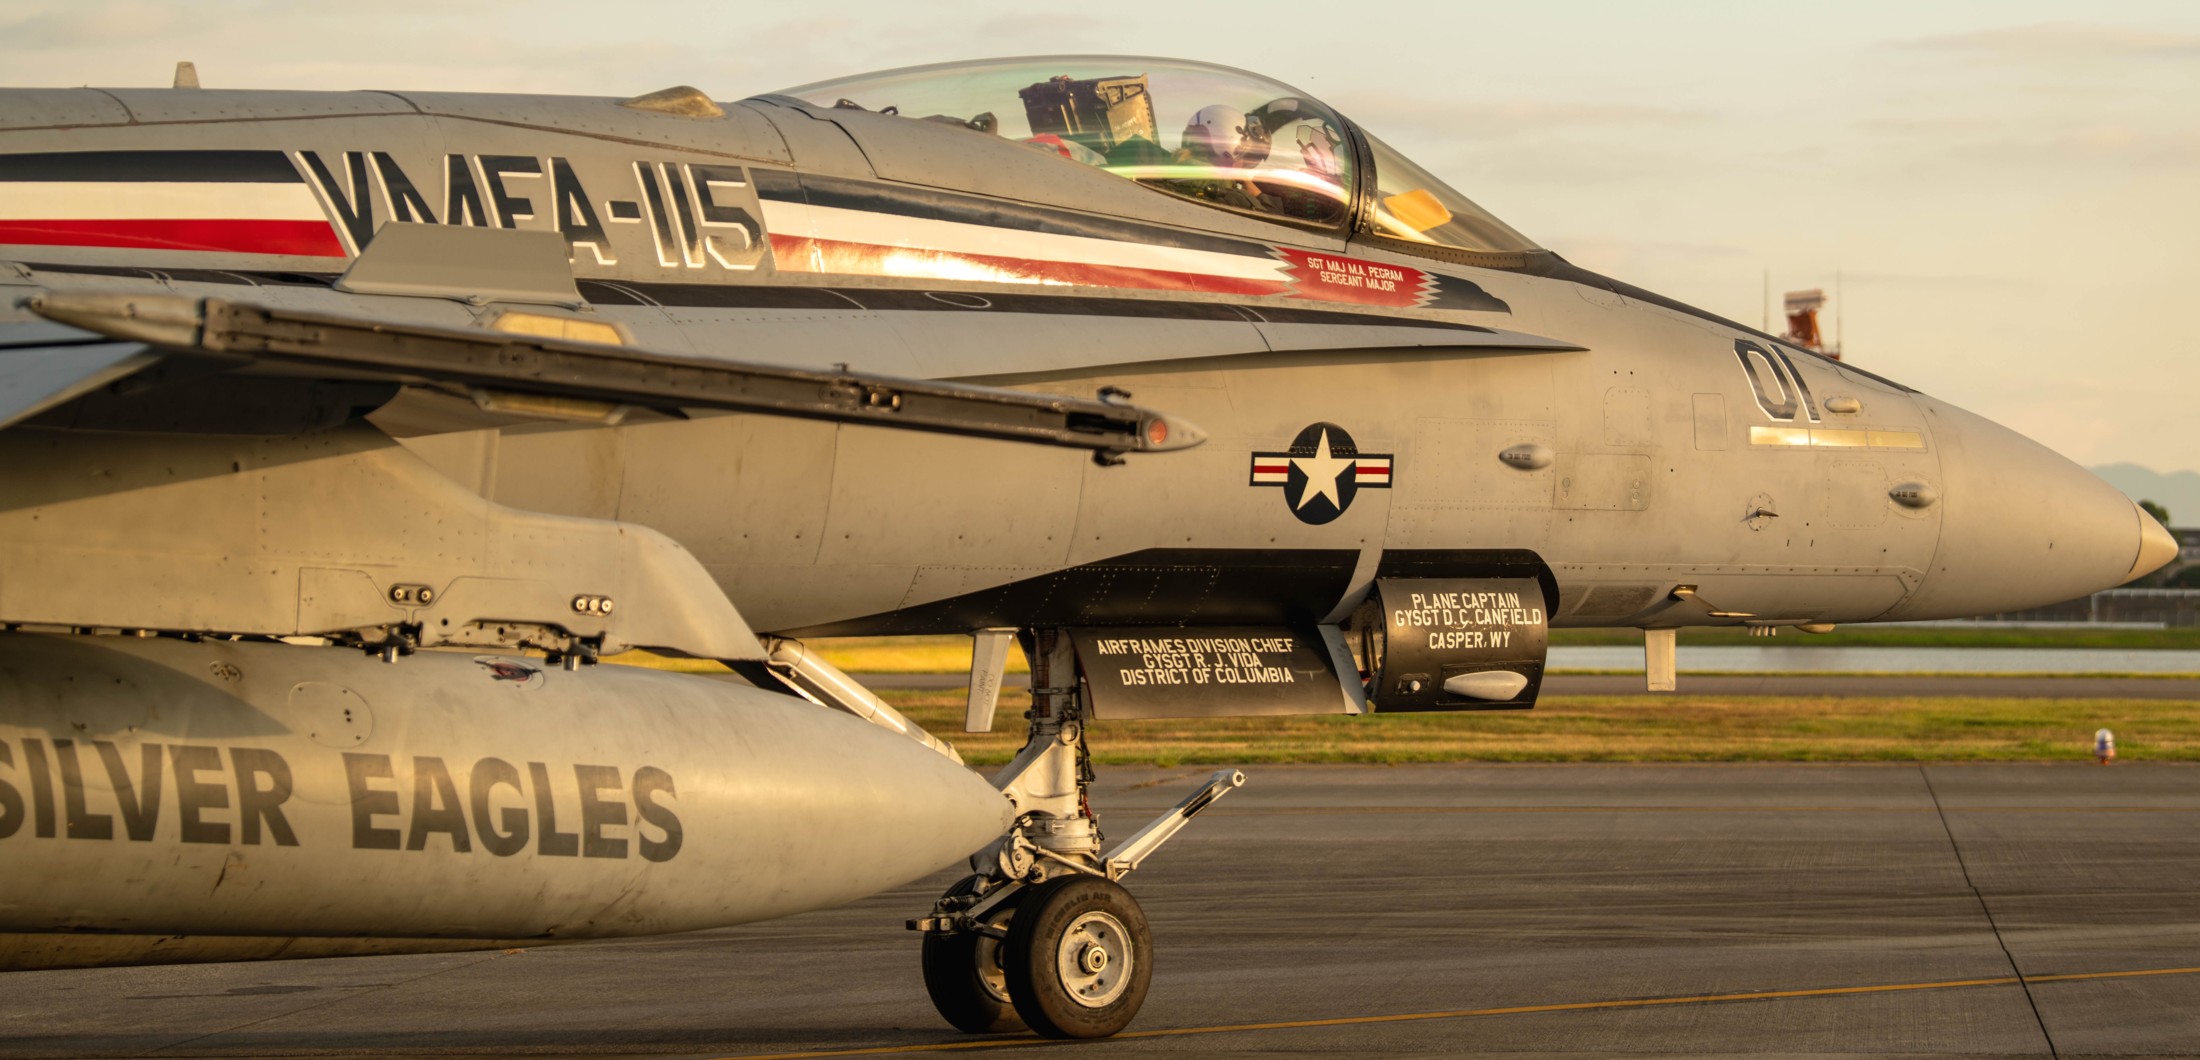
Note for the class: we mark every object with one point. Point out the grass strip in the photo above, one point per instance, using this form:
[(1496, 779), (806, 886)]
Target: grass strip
[(1631, 728), (1626, 729)]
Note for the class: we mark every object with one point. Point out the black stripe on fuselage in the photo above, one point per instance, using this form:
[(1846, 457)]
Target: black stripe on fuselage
[(152, 167), (220, 276), (934, 205), (888, 300), (1285, 315), (781, 185), (846, 299)]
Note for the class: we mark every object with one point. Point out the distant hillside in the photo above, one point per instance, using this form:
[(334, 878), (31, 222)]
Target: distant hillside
[(2178, 491)]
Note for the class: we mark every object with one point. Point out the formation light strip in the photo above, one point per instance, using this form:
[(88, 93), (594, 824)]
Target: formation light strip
[(1837, 437)]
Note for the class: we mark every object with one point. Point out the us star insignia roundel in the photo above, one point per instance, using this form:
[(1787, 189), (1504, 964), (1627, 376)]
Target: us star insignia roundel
[(1321, 472)]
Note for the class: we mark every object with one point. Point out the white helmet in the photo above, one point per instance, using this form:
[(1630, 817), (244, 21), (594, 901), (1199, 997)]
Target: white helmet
[(1226, 136)]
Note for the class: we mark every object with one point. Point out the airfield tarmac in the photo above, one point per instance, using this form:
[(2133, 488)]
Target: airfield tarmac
[(1570, 910)]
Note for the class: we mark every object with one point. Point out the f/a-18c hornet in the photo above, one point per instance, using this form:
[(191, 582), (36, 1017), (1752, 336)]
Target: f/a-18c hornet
[(345, 432)]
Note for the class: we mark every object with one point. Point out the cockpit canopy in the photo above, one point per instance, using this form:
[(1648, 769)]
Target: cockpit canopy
[(1212, 134)]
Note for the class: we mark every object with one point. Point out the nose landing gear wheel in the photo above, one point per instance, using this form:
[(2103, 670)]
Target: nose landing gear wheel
[(1078, 957), (963, 972)]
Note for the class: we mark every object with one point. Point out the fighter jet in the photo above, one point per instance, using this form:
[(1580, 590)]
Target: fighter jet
[(344, 434)]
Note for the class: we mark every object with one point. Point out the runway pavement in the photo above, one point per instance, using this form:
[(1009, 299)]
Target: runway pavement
[(1602, 910), (1873, 685)]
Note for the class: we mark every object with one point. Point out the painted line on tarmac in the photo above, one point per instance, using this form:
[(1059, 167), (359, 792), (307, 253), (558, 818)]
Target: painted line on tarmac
[(1025, 1041)]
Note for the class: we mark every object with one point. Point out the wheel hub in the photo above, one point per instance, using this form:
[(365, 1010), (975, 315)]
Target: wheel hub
[(991, 977), (1094, 959)]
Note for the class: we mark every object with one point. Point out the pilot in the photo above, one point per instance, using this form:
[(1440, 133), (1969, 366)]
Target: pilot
[(1221, 137), (1225, 136), (1318, 144), (1291, 122)]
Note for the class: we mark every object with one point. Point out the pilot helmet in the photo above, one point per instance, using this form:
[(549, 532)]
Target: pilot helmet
[(1226, 136)]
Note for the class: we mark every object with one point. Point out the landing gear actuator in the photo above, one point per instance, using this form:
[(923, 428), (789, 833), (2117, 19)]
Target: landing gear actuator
[(1042, 933)]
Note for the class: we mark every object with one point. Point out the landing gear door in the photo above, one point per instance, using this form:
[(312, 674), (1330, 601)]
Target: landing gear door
[(1453, 643), (1229, 672)]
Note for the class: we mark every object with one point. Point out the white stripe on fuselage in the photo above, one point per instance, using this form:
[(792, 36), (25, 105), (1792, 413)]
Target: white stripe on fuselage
[(955, 237), (96, 200)]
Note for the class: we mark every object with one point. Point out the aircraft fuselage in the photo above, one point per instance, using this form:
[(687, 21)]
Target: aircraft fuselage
[(1650, 446)]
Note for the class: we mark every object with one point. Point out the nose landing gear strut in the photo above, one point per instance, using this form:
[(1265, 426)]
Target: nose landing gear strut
[(1043, 935)]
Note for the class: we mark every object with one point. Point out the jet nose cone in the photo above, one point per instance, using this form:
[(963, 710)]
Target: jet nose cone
[(2156, 546), (2020, 526)]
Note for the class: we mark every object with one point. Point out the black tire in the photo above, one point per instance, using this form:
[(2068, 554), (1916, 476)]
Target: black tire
[(963, 973), (1049, 950)]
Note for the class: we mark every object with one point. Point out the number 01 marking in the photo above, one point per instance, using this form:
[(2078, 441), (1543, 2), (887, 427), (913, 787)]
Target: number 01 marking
[(1780, 389)]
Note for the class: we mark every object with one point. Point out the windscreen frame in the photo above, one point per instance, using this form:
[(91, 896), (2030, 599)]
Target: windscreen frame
[(1365, 231), (1339, 226)]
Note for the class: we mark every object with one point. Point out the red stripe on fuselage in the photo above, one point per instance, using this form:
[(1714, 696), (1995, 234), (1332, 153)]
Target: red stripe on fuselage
[(313, 239), (801, 253)]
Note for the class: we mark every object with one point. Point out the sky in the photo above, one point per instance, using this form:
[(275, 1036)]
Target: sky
[(2007, 191)]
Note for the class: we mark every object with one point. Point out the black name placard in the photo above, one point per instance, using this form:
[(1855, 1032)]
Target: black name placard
[(1206, 673), (1457, 643)]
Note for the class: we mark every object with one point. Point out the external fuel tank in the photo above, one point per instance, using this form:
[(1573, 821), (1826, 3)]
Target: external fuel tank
[(169, 800)]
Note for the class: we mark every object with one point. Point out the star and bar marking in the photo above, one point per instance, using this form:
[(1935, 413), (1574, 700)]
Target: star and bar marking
[(1321, 472)]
